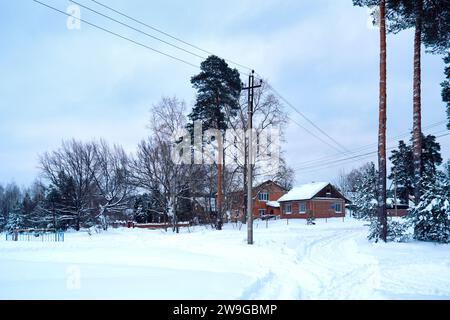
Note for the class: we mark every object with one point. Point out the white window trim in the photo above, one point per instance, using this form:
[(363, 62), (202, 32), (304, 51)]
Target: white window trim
[(285, 208), (263, 193), (340, 206), (300, 208)]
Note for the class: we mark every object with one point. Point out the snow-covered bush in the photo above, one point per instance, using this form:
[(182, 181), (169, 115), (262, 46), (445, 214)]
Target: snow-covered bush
[(431, 217), (397, 230), (15, 219)]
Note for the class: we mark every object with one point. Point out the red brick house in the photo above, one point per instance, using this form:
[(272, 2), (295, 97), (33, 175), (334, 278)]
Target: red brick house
[(265, 198), (318, 200)]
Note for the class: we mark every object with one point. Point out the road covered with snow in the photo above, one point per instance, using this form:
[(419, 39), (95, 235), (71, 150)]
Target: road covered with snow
[(330, 260)]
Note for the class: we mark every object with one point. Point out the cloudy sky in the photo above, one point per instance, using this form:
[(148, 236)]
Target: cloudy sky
[(57, 83)]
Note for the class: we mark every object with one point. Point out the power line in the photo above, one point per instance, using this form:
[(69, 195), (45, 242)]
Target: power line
[(143, 32), (167, 34), (359, 149), (322, 163), (340, 160), (181, 60), (307, 119), (340, 164), (137, 30), (314, 135), (444, 135), (116, 34), (345, 150), (354, 158), (317, 169), (210, 53)]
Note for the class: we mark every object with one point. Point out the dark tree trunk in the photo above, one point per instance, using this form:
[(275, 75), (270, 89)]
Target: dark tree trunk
[(78, 223), (382, 214), (417, 118), (219, 221)]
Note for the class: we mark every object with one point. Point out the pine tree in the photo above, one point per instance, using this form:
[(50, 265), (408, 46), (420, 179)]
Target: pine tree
[(218, 90), (431, 217), (384, 13), (431, 160), (430, 20), (402, 171), (2, 205), (365, 194), (141, 209), (447, 172), (446, 88), (28, 211), (15, 218)]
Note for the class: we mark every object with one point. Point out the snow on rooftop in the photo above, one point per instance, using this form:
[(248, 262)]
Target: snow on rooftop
[(391, 201), (273, 204), (304, 192)]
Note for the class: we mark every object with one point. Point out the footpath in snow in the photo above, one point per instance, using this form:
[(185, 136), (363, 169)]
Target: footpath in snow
[(330, 260)]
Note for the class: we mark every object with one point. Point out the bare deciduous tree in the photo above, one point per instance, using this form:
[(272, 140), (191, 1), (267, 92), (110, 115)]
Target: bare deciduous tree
[(111, 176), (70, 171), (268, 114)]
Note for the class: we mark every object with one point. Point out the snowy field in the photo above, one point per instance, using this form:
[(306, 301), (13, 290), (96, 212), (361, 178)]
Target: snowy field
[(327, 261)]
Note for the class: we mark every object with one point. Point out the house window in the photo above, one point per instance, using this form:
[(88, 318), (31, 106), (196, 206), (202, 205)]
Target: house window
[(287, 209), (302, 207), (338, 208), (262, 212), (263, 196)]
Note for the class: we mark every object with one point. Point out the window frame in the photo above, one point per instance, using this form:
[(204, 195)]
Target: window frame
[(260, 198), (285, 206), (336, 206), (300, 204)]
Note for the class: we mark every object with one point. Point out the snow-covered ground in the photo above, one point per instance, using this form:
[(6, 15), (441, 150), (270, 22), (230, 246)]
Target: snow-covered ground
[(327, 261)]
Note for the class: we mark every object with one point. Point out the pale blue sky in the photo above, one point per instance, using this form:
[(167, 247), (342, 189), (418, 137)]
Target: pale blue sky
[(56, 84)]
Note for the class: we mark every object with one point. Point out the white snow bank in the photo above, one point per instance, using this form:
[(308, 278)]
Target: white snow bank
[(330, 260)]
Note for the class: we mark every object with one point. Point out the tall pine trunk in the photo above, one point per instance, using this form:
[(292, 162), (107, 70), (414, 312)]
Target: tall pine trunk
[(382, 214), (417, 117)]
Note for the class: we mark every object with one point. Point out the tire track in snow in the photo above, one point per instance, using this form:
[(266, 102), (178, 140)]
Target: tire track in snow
[(332, 268)]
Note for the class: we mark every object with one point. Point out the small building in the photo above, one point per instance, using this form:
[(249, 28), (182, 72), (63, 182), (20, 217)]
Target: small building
[(265, 203), (396, 210), (317, 200)]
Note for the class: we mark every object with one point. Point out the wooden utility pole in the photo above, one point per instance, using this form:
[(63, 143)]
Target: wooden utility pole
[(251, 86), (219, 221), (219, 218)]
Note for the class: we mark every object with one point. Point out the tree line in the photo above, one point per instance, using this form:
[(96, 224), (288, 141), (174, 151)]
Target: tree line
[(427, 221), (85, 184)]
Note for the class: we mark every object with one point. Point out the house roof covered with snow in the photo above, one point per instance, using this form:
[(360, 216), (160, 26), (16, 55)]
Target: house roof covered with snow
[(304, 192), (273, 204)]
